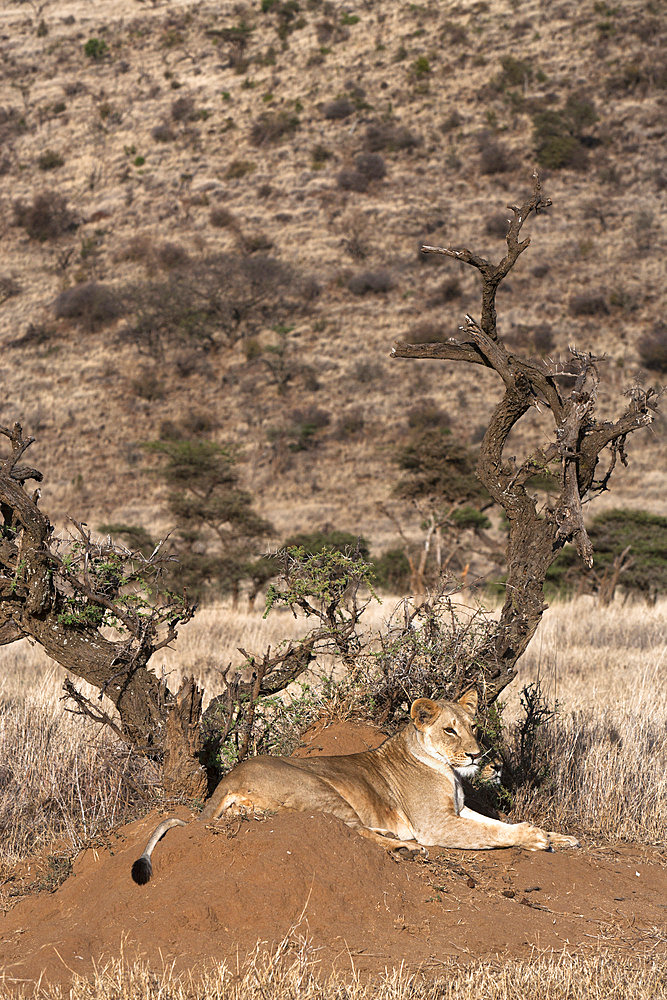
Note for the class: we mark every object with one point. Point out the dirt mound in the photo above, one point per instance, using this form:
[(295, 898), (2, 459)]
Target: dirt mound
[(216, 892)]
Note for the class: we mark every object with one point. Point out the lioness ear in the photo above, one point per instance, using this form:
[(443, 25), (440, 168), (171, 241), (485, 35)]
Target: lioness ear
[(424, 712), (468, 702)]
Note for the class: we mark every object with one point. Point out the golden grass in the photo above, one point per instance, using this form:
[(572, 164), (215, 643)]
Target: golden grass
[(607, 745), (292, 971)]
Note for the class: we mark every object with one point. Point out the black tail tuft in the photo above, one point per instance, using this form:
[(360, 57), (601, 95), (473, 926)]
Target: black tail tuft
[(142, 870)]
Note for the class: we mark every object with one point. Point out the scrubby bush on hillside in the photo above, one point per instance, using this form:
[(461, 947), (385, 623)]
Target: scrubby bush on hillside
[(497, 225), (352, 180), (388, 134), (653, 349), (592, 303), (163, 133), (494, 157), (427, 332), (49, 160), (436, 464), (368, 167), (91, 304), (559, 136), (447, 291), (47, 217), (305, 427), (272, 126), (218, 300), (370, 283), (341, 107), (96, 49), (426, 415)]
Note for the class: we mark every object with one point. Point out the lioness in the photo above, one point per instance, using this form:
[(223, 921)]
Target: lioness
[(407, 793)]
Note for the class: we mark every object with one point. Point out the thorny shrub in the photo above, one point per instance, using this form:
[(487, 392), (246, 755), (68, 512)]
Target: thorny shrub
[(45, 218), (370, 283), (92, 304), (218, 300), (653, 349), (390, 135)]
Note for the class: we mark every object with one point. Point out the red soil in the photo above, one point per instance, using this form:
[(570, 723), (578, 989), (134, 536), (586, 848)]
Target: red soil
[(214, 894)]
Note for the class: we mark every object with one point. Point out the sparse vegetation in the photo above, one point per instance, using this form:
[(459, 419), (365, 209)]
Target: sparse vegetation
[(272, 126), (96, 49), (370, 283), (91, 304), (49, 160), (591, 303), (339, 108), (218, 300), (653, 349), (46, 217), (559, 135), (389, 135)]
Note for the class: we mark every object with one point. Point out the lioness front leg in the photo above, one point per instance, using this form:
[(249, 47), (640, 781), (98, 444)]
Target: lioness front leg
[(469, 830)]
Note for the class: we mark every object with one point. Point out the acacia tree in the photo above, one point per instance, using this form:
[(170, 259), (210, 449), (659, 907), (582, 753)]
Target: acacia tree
[(536, 534), (213, 514), (102, 611)]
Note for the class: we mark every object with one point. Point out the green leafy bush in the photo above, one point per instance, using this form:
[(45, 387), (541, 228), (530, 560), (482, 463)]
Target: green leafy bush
[(437, 465), (96, 48), (611, 533)]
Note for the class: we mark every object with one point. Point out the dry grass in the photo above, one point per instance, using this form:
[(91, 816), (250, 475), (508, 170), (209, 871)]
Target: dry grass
[(60, 778), (607, 746), (293, 971), (605, 668)]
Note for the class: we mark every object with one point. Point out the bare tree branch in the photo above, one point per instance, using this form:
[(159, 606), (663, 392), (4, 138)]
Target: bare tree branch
[(534, 536)]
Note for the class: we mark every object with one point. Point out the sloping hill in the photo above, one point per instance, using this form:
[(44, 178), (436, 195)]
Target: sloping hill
[(249, 185)]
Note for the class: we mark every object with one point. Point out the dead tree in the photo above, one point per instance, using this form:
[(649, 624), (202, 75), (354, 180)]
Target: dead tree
[(578, 440)]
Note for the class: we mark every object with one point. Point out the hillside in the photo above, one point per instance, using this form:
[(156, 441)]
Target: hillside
[(248, 185)]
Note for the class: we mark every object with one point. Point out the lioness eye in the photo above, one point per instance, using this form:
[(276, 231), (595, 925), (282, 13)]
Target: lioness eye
[(450, 732)]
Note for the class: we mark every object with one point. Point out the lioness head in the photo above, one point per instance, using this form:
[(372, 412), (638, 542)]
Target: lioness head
[(445, 730)]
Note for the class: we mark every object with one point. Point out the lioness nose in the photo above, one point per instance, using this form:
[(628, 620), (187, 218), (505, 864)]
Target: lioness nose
[(474, 756)]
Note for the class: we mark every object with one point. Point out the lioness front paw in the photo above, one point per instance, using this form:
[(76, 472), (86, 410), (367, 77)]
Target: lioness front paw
[(532, 838), (563, 840)]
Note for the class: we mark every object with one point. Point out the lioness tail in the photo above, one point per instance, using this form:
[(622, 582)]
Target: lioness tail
[(142, 869)]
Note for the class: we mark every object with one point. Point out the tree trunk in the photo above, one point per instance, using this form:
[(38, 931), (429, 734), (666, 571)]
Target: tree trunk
[(182, 774)]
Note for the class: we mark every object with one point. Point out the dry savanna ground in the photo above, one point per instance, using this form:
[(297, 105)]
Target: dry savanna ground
[(67, 787)]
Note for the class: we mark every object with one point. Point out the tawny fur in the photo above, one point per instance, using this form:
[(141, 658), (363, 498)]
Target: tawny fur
[(406, 793)]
